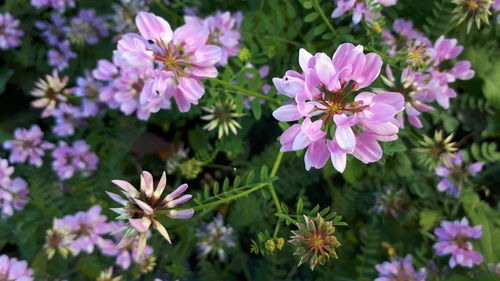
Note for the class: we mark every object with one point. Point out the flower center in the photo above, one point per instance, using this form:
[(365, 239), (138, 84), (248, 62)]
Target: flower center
[(171, 58)]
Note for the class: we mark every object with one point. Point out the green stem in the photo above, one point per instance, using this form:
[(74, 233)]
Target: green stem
[(274, 170), (243, 91), (167, 10), (325, 19), (224, 200)]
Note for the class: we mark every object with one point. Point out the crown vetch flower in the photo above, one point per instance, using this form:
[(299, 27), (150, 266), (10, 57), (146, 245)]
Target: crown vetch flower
[(452, 173), (71, 159), (143, 206), (224, 31), (453, 238), (67, 118), (61, 55), (58, 239), (215, 238), (399, 269), (314, 241), (125, 255), (14, 269), (59, 5), (320, 98), (5, 172), (87, 27), (87, 228), (402, 36), (13, 197), (10, 33), (176, 61), (50, 93), (27, 146), (359, 9)]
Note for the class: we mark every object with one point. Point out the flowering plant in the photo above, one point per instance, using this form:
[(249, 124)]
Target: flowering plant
[(302, 140)]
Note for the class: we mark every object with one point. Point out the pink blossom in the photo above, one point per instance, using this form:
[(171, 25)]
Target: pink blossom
[(403, 31), (87, 228), (126, 255), (359, 9), (10, 33), (453, 238), (5, 172), (71, 159), (175, 61), (320, 99), (27, 146), (13, 197), (14, 269), (452, 172), (224, 31), (67, 119)]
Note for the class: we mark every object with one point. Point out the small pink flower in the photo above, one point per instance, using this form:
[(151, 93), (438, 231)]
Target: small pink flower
[(14, 269), (335, 125), (10, 34), (5, 172), (69, 160), (13, 197), (27, 146), (175, 61), (141, 207)]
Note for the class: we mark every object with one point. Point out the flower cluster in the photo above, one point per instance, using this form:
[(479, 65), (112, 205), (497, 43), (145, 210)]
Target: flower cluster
[(10, 33), (86, 28), (320, 97), (453, 238), (431, 82), (399, 269), (403, 36), (5, 172), (452, 173), (59, 5), (70, 159), (124, 256), (28, 146), (174, 62), (13, 196), (14, 269), (141, 207), (314, 241), (215, 238), (50, 92), (87, 231), (123, 18), (391, 201), (360, 9), (224, 31)]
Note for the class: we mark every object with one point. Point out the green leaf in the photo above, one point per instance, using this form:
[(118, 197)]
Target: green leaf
[(4, 78), (311, 17), (256, 108)]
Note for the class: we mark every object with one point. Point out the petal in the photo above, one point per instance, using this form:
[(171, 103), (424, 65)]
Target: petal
[(182, 214), (153, 27), (162, 230), (141, 225), (345, 138), (304, 57), (178, 191), (287, 113), (367, 148)]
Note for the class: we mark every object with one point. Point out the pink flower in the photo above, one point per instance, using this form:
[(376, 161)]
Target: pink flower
[(452, 173), (14, 269), (141, 207), (13, 197), (321, 93), (28, 146), (224, 31), (10, 33), (87, 228), (67, 119), (403, 36), (71, 159), (175, 61), (126, 255), (453, 238), (5, 172), (359, 9)]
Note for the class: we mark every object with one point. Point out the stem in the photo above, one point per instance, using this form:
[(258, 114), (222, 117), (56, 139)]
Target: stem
[(224, 200), (167, 10), (325, 19), (276, 165), (243, 91)]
